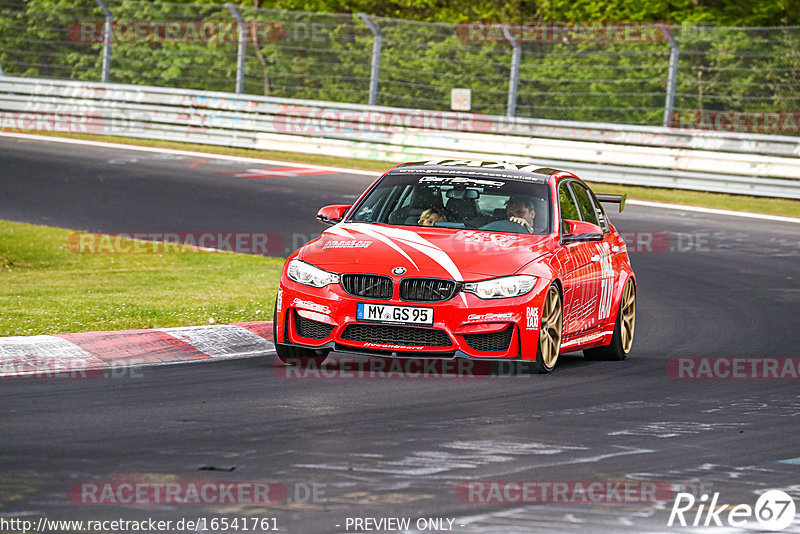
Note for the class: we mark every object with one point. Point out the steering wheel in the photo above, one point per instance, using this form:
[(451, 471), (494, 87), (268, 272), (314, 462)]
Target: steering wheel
[(505, 226)]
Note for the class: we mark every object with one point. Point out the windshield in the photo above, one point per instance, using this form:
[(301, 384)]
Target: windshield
[(457, 202)]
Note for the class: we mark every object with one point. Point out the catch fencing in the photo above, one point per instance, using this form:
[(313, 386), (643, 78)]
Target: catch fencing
[(628, 72)]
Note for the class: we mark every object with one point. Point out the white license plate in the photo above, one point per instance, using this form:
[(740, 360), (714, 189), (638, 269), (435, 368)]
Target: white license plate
[(394, 314)]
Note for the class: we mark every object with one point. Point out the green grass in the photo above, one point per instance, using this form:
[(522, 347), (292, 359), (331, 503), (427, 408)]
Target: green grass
[(45, 288), (770, 206)]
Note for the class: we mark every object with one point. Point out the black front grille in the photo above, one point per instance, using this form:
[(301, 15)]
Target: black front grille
[(311, 329), (372, 286), (396, 335), (427, 289), (493, 342)]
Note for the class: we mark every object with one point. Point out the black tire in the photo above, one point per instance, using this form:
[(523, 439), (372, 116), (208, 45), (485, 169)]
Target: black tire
[(615, 351), (296, 356), (301, 357), (552, 326), (275, 323)]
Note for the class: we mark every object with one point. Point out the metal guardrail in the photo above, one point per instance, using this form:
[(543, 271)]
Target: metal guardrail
[(750, 164)]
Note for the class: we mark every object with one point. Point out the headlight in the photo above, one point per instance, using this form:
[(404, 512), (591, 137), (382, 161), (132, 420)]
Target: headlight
[(308, 275), (500, 288)]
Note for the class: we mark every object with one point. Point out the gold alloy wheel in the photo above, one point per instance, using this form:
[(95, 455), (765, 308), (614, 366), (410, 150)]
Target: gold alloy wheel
[(550, 331), (628, 316)]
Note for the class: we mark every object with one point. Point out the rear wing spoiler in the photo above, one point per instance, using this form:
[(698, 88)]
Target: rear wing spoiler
[(616, 199)]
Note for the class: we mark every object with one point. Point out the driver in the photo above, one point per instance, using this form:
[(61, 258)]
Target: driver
[(519, 209)]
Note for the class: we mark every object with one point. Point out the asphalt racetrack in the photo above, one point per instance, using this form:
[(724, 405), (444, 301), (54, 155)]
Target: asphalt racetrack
[(709, 286)]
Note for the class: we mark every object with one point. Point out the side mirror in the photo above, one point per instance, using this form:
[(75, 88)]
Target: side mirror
[(332, 214), (580, 231)]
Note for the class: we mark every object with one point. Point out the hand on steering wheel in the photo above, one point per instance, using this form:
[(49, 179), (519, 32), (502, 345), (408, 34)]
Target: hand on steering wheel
[(522, 222)]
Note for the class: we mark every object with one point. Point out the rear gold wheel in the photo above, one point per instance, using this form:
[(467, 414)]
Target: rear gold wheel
[(622, 339), (628, 311)]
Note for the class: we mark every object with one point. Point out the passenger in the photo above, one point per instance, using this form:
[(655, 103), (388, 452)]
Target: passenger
[(430, 216)]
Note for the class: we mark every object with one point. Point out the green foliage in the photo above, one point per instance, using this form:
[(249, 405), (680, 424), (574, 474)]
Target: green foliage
[(319, 50)]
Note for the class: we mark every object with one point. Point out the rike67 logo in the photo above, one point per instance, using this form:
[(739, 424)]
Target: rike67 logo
[(774, 510)]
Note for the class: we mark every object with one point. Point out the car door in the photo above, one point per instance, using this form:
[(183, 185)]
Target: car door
[(600, 272), (579, 272)]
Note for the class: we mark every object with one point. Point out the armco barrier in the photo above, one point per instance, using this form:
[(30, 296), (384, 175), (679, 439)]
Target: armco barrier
[(753, 164)]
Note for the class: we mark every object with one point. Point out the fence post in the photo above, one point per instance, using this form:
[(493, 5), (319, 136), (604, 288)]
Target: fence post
[(513, 81), (377, 40), (672, 77), (108, 31), (240, 54)]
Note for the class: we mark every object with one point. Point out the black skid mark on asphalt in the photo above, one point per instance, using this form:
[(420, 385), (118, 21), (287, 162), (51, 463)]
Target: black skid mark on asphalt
[(215, 468)]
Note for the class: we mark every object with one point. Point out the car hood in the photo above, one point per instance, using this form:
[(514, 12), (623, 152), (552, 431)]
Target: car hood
[(423, 251)]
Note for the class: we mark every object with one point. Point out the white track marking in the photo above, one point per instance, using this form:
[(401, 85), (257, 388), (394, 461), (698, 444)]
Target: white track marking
[(43, 355), (207, 155), (221, 341), (713, 211), (659, 205)]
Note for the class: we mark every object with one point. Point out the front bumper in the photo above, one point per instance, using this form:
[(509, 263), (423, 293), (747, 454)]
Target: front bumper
[(464, 326)]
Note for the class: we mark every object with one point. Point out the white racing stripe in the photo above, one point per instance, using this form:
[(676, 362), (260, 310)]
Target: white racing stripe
[(415, 241), (587, 338), (221, 341), (453, 269), (338, 230), (383, 239)]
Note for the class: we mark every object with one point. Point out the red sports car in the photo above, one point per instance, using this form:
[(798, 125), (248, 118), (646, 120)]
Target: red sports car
[(462, 259)]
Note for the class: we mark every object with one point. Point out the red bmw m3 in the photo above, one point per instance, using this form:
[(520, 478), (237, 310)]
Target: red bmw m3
[(462, 259)]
